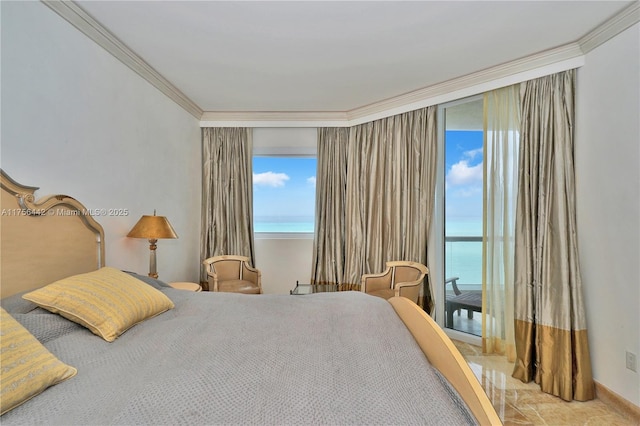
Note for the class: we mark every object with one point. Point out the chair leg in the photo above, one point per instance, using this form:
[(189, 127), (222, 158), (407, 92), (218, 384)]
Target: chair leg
[(449, 315)]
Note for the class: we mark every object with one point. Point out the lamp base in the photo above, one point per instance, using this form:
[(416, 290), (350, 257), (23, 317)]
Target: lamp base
[(152, 259)]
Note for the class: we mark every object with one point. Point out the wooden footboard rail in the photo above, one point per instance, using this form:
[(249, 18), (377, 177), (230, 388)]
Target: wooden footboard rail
[(444, 356)]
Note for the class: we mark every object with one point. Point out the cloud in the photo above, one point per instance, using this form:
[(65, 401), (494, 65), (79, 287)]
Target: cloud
[(312, 181), (463, 174), (468, 192), (472, 153), (270, 179)]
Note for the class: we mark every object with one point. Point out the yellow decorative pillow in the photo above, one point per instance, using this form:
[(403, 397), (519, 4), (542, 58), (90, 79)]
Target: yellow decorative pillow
[(107, 301), (28, 368)]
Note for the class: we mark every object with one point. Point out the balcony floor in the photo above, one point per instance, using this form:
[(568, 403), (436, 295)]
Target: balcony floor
[(471, 326)]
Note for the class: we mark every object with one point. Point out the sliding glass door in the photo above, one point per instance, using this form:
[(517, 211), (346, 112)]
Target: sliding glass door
[(462, 143)]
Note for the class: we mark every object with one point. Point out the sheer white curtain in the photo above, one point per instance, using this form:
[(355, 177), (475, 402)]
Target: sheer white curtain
[(501, 144)]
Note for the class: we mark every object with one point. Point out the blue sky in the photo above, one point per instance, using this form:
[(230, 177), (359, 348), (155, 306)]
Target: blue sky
[(463, 163), (285, 186)]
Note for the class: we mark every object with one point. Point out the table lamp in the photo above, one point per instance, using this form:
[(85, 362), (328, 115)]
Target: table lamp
[(152, 228)]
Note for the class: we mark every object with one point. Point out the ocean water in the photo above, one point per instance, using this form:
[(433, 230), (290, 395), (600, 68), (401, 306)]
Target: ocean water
[(462, 259), (283, 224)]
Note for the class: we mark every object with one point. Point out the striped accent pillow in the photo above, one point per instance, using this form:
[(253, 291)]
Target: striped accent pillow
[(28, 368), (107, 301)]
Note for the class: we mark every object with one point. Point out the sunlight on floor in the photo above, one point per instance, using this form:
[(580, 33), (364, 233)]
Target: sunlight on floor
[(520, 403)]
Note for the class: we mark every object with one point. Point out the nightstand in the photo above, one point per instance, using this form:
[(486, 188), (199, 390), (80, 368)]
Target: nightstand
[(186, 286)]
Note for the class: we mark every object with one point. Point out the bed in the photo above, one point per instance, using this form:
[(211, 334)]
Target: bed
[(211, 358)]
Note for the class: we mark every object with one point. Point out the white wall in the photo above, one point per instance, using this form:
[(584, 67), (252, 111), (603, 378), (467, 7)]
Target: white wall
[(77, 121), (608, 206), (282, 262), (285, 141)]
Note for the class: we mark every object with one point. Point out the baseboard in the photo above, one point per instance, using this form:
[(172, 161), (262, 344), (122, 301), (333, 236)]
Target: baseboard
[(625, 407)]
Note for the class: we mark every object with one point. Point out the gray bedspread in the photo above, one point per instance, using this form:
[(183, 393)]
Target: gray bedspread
[(219, 358)]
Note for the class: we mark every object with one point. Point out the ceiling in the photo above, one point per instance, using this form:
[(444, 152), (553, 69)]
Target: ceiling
[(327, 56)]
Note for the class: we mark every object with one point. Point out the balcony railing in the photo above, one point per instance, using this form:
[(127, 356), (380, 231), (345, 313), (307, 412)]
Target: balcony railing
[(463, 259), (467, 239)]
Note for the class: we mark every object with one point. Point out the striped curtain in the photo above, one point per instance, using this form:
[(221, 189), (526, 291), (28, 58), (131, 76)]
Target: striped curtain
[(227, 194), (374, 196), (550, 323), (331, 197)]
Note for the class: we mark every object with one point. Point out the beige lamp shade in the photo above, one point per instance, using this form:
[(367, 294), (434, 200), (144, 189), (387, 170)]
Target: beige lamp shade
[(152, 228)]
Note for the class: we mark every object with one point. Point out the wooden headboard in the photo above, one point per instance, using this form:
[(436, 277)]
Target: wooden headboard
[(45, 240)]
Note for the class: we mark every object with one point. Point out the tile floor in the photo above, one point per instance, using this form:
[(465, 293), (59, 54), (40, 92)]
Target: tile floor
[(520, 403)]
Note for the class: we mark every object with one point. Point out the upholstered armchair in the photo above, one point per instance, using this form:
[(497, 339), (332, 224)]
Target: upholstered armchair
[(401, 278), (232, 274)]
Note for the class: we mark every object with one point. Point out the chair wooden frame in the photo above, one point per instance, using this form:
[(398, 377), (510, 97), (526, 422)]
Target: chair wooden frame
[(387, 279), (470, 300), (245, 271)]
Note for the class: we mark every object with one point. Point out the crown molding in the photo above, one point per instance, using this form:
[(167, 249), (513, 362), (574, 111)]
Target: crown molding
[(551, 61), (611, 28), (534, 66), (274, 119), (80, 19), (427, 96), (564, 57)]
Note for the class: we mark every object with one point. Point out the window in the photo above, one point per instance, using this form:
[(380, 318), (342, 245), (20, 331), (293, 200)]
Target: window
[(284, 192)]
